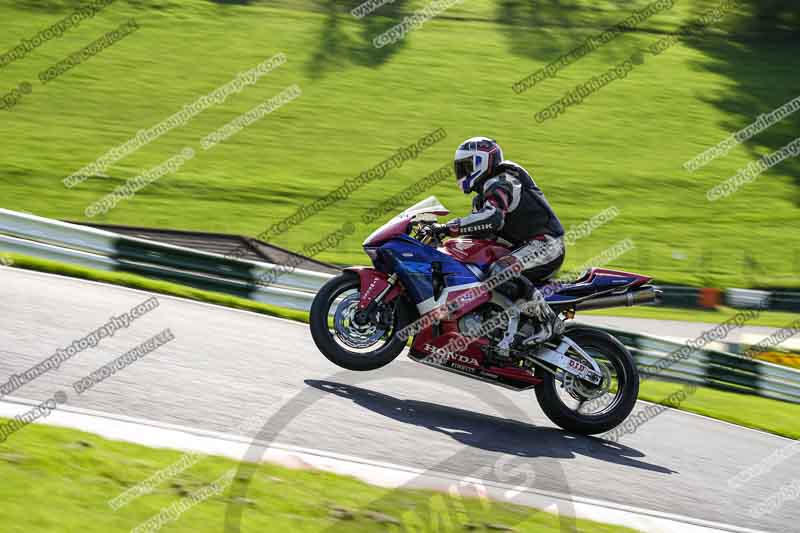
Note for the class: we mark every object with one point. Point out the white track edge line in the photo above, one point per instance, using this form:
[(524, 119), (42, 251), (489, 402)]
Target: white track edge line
[(185, 438)]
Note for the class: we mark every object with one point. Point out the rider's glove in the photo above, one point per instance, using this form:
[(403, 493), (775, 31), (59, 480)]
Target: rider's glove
[(444, 230)]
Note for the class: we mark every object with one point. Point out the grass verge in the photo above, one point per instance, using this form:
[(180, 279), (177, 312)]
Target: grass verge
[(77, 473), (775, 319), (772, 416)]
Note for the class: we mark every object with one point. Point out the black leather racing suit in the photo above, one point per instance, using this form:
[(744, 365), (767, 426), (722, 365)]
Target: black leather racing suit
[(511, 209)]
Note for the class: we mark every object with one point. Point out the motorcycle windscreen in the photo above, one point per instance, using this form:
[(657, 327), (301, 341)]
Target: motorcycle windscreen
[(398, 224), (429, 205)]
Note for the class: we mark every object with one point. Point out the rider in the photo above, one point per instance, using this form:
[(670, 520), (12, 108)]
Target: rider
[(512, 210)]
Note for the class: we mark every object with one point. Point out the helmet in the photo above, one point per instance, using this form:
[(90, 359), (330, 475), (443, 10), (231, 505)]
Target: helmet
[(475, 160)]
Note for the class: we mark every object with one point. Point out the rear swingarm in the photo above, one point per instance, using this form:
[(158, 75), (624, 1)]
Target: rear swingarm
[(558, 358)]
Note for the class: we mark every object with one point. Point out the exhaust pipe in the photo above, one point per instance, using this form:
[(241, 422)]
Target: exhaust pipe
[(642, 295)]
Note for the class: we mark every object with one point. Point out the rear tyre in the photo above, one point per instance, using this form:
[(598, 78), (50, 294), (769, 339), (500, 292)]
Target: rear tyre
[(616, 358), (353, 345)]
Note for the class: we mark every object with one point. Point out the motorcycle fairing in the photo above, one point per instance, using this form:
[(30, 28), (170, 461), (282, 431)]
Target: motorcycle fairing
[(595, 282), (373, 283), (414, 264), (479, 252), (470, 361), (430, 277)]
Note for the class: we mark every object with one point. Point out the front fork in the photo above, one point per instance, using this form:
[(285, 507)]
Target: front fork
[(372, 306), (376, 288)]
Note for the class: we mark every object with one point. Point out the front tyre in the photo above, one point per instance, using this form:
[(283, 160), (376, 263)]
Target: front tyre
[(577, 406), (346, 336)]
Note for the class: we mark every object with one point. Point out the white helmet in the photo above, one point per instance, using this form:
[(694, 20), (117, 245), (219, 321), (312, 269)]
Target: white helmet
[(476, 160)]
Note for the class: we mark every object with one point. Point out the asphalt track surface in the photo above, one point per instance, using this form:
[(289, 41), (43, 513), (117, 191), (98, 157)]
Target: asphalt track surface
[(224, 365)]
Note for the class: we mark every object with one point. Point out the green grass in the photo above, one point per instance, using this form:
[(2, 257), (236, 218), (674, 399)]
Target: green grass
[(773, 416), (75, 473), (776, 319), (624, 146)]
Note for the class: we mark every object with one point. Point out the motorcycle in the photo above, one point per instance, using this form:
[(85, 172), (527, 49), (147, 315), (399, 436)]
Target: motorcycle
[(435, 292)]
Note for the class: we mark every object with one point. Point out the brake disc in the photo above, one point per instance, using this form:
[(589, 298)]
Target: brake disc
[(351, 332)]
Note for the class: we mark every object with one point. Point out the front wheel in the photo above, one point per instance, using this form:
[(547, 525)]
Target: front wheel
[(583, 408), (346, 335)]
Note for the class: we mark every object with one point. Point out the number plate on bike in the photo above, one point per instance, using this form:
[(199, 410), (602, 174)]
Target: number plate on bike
[(570, 365)]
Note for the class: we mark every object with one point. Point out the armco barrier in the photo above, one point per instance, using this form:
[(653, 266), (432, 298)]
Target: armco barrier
[(95, 248), (237, 246), (100, 249), (712, 368), (785, 301), (747, 298), (677, 296)]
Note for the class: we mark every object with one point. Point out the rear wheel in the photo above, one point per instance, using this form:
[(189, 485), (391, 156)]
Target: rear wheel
[(580, 407), (346, 335)]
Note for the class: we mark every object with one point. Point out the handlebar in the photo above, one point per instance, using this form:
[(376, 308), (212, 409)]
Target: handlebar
[(425, 234)]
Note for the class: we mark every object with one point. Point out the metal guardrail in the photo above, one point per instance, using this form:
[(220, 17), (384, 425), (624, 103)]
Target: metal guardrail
[(711, 368), (238, 246), (692, 297), (677, 296), (747, 298), (782, 300), (100, 249), (295, 289)]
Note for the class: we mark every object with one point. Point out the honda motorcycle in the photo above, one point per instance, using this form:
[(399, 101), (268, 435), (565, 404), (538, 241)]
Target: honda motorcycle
[(585, 380)]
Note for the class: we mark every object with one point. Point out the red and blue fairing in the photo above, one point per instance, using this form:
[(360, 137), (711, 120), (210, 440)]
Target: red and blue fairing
[(432, 277)]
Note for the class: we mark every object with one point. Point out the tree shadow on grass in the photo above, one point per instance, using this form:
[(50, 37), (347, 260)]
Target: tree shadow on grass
[(523, 21), (755, 49), (47, 5), (546, 29), (348, 39)]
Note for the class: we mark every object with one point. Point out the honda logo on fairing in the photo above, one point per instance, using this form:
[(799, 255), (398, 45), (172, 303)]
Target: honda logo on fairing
[(437, 350), (464, 359), (453, 356)]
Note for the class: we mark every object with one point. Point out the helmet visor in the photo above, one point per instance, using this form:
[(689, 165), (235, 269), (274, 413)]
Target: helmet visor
[(463, 167)]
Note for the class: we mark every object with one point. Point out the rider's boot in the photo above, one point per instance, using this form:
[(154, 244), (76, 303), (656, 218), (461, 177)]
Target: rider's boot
[(502, 352), (548, 323)]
